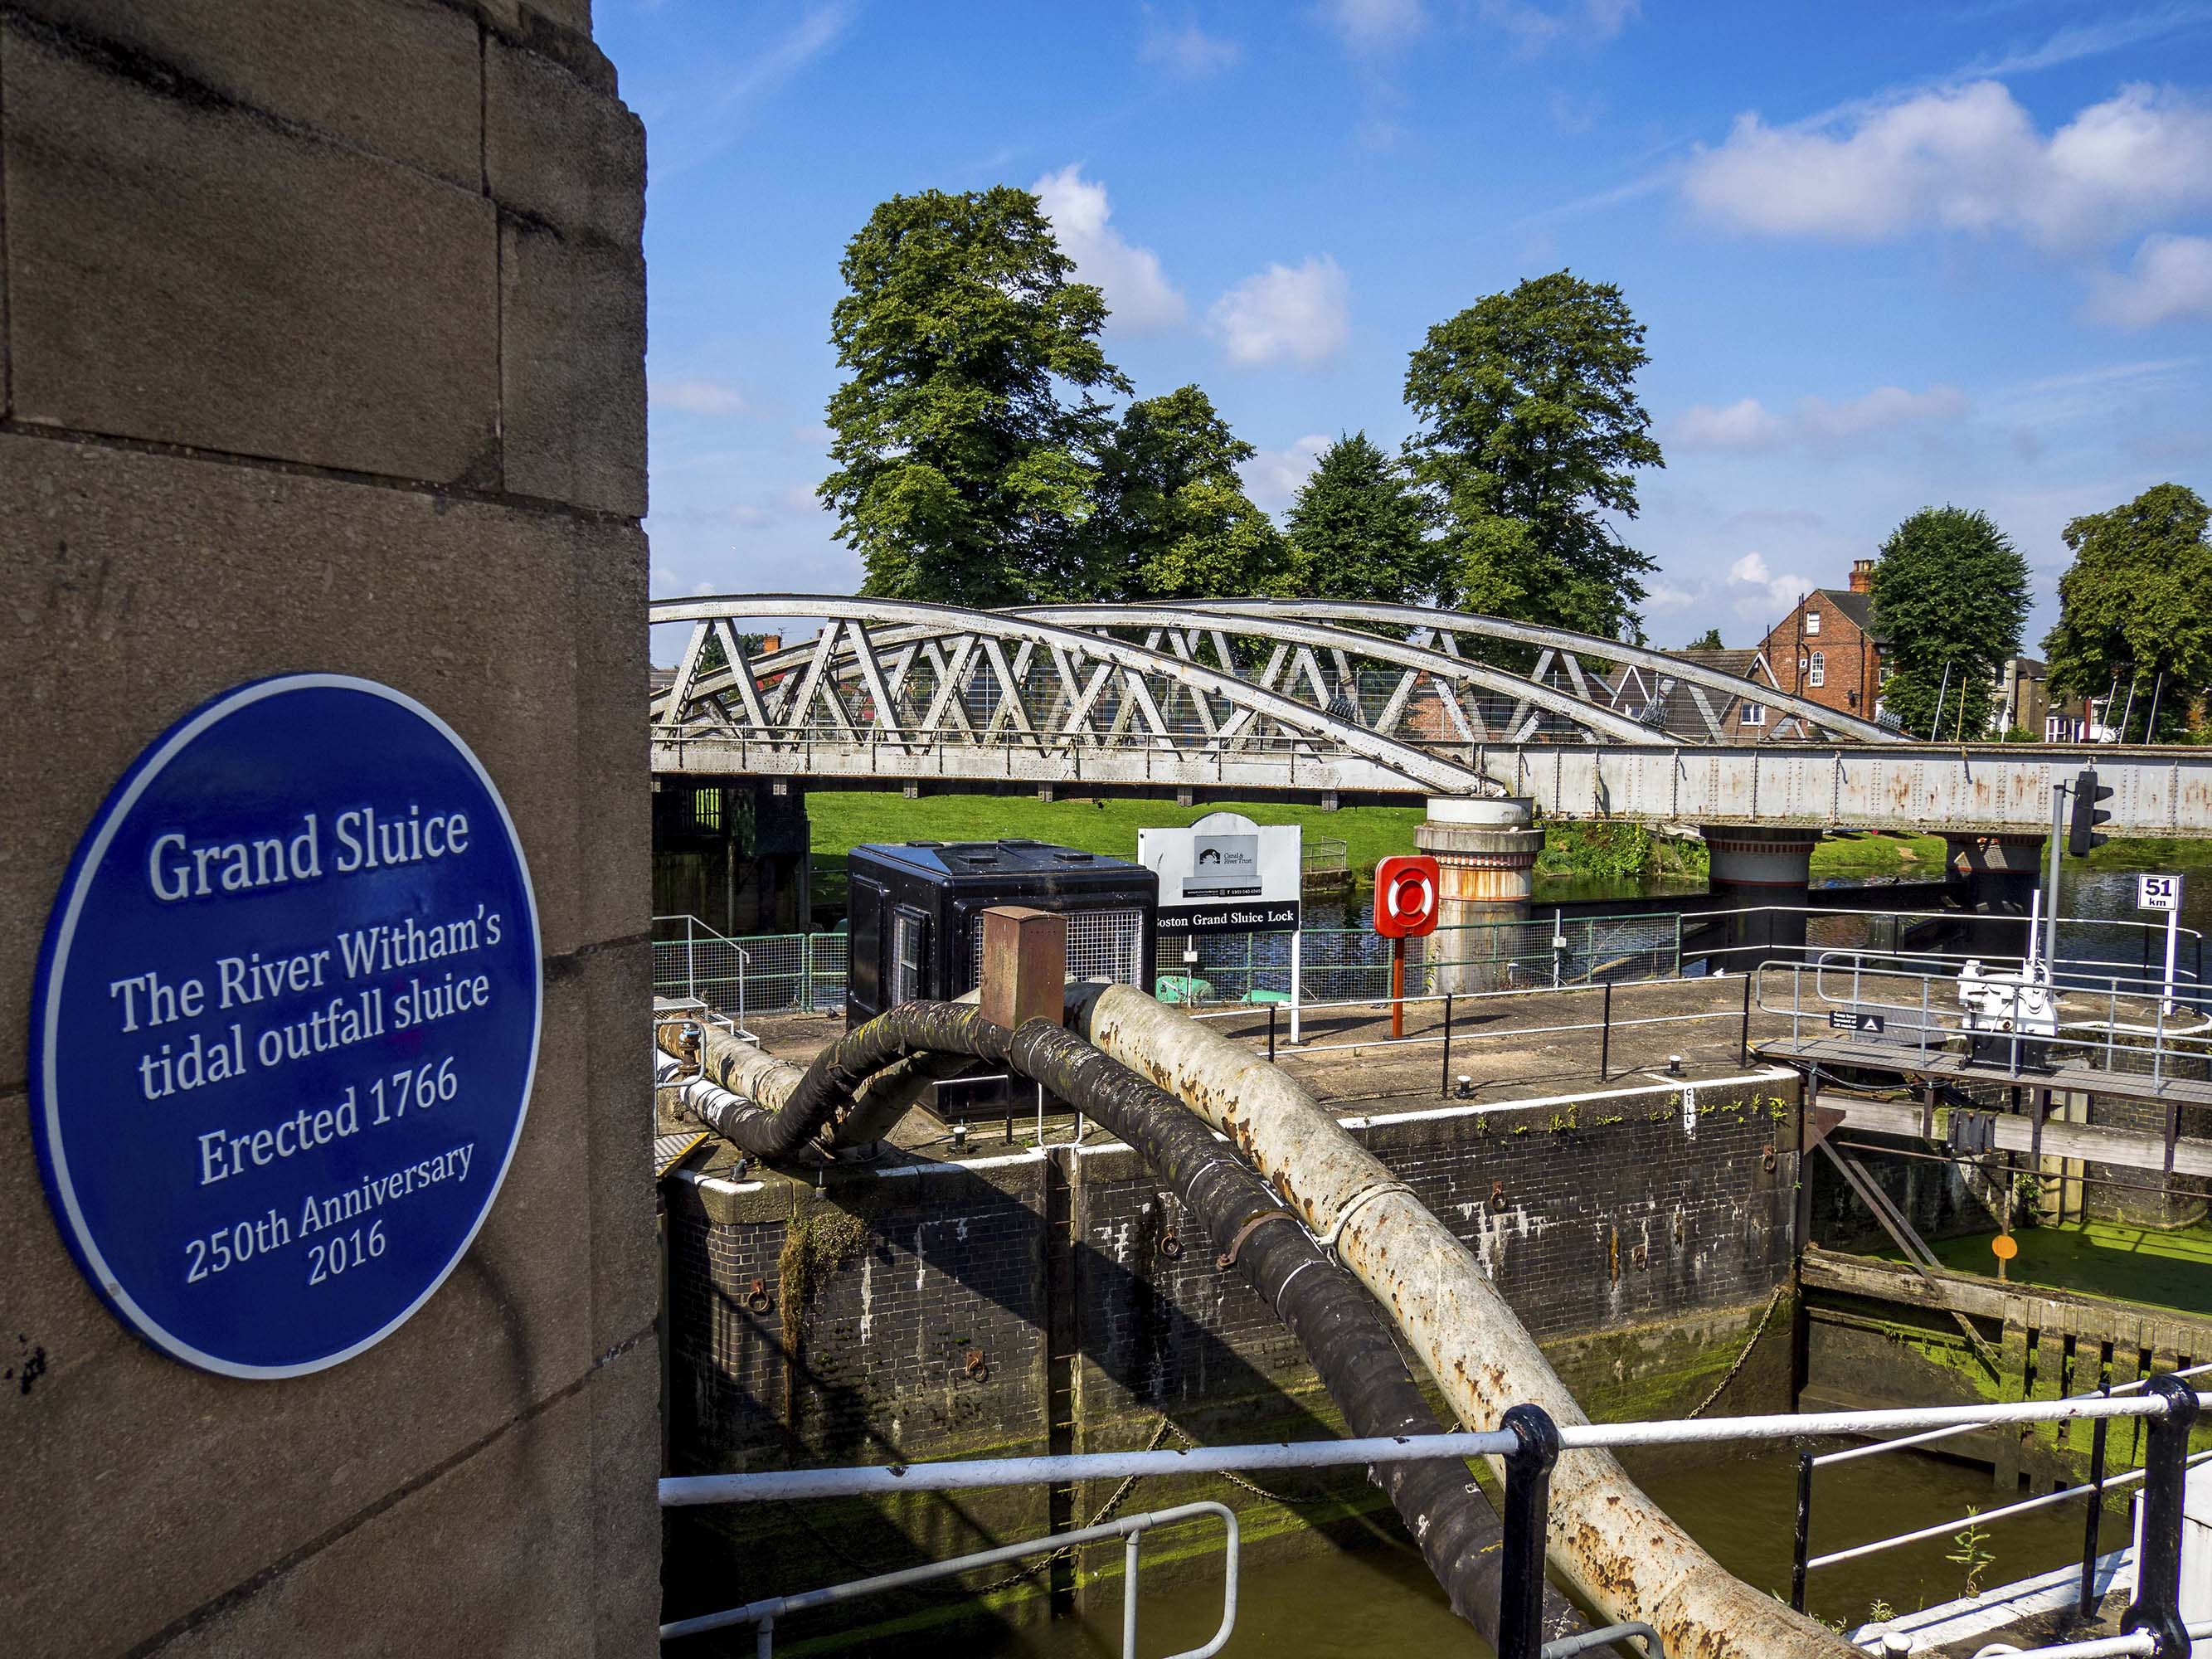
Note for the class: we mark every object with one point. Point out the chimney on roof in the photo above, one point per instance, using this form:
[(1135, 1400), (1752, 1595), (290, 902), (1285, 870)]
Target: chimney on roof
[(1862, 575), (771, 643)]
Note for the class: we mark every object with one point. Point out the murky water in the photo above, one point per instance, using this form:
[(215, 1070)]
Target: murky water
[(1380, 1601)]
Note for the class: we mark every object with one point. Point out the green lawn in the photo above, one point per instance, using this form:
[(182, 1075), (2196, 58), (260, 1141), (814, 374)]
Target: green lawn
[(2165, 1269), (842, 820)]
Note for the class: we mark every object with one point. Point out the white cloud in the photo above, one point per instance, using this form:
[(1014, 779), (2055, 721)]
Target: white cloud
[(1188, 51), (1660, 597), (800, 498), (1760, 595), (697, 396), (1375, 25), (1273, 478), (1747, 423), (2171, 279), (1962, 158), (1534, 26), (1301, 315), (1885, 406), (1142, 298)]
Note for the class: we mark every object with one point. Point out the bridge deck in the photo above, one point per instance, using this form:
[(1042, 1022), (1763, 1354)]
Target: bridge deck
[(1958, 1069)]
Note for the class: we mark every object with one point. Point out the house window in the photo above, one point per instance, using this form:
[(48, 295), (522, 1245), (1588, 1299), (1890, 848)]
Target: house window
[(1818, 673), (1754, 713), (1812, 621)]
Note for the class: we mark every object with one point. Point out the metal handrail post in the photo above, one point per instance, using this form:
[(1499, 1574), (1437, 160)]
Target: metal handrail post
[(1802, 1545), (2157, 1604), (1527, 1520), (1129, 1595), (1443, 1088), (2087, 1603), (1605, 1042)]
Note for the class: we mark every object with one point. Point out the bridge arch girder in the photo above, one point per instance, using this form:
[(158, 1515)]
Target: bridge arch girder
[(1818, 716), (857, 629)]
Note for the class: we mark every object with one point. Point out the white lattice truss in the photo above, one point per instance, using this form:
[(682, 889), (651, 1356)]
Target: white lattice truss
[(1268, 693), (1244, 698)]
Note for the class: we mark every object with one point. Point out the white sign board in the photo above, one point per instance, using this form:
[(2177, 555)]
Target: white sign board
[(2158, 892), (1225, 874)]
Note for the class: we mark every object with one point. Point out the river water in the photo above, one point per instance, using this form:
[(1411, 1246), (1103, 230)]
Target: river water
[(1379, 1600)]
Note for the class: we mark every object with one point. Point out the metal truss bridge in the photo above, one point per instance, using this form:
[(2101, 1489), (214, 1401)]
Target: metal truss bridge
[(1255, 697)]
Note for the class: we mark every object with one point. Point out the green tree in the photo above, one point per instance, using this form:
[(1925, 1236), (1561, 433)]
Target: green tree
[(1171, 520), (2135, 607), (1708, 640), (1359, 530), (1531, 434), (1950, 595), (964, 468)]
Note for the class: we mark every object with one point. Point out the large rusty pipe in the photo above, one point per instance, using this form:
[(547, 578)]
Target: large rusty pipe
[(1610, 1541), (836, 1120)]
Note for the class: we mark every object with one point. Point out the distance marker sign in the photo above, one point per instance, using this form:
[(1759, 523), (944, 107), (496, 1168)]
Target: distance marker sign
[(285, 1024)]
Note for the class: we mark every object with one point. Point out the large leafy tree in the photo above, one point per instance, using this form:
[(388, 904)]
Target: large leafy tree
[(1531, 435), (2135, 607), (1172, 519), (1359, 530), (1950, 593), (966, 430)]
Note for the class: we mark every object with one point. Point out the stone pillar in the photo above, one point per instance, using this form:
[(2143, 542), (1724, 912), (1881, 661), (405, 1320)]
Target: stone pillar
[(1486, 849), (325, 345), (1757, 865)]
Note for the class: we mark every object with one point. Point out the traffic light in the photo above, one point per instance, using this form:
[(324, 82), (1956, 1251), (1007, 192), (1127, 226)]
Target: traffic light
[(2082, 832)]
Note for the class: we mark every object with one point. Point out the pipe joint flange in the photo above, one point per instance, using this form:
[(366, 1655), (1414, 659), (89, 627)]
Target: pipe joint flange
[(1351, 1206)]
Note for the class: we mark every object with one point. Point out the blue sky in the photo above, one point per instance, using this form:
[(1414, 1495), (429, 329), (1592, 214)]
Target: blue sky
[(1889, 255)]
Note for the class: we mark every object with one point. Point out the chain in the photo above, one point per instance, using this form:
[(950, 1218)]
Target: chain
[(1750, 1342)]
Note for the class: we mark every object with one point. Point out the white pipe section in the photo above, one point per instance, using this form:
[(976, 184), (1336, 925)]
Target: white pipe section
[(786, 1485), (869, 1480), (1622, 1552)]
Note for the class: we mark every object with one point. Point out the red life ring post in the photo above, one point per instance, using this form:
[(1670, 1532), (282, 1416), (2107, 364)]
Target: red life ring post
[(1407, 897)]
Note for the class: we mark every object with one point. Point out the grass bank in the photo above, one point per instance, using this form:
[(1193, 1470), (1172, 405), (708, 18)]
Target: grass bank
[(1626, 853)]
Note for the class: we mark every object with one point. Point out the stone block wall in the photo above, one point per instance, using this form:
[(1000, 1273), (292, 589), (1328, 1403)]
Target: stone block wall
[(321, 347)]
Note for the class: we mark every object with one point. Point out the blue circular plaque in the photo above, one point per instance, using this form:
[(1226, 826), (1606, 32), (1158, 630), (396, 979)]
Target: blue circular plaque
[(285, 1024)]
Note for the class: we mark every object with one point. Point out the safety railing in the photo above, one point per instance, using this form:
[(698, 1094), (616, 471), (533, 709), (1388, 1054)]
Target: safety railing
[(1338, 963), (1802, 1563), (762, 1615), (2097, 947), (1270, 1023), (2031, 1025), (1528, 1443), (691, 960), (757, 973)]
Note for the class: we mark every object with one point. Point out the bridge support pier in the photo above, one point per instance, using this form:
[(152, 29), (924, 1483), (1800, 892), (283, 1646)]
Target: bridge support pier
[(1485, 851), (1994, 876), (1767, 870)]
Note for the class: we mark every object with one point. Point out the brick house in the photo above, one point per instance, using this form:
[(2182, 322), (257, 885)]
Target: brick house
[(1829, 648), (1659, 699)]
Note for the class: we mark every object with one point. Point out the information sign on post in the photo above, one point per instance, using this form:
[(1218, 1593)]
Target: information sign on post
[(2164, 893), (285, 1025), (1225, 874)]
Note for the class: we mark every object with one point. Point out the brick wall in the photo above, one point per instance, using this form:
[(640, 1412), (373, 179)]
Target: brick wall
[(1851, 665)]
